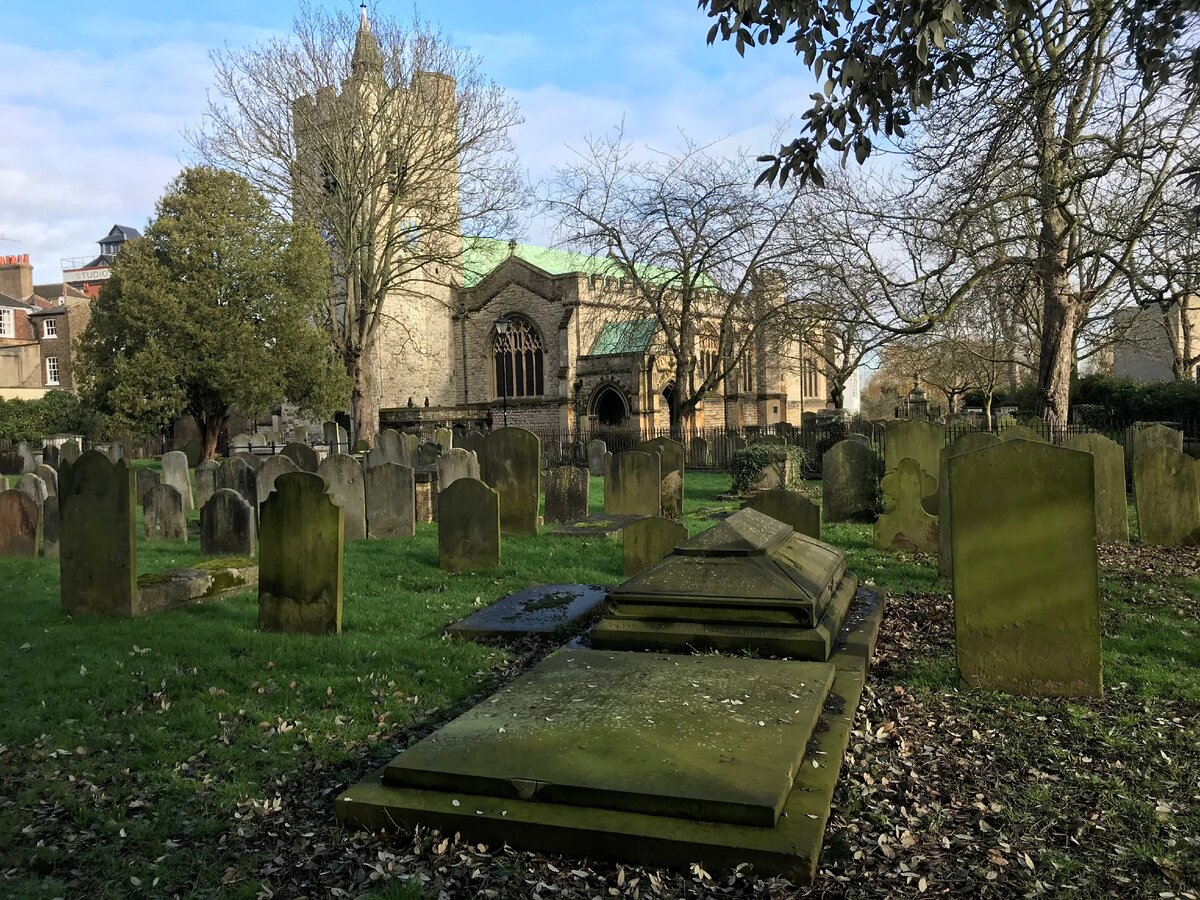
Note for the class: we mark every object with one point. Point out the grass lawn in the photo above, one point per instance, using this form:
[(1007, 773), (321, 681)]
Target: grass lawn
[(190, 755)]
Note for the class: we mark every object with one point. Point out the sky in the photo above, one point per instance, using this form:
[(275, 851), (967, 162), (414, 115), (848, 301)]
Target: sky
[(97, 96)]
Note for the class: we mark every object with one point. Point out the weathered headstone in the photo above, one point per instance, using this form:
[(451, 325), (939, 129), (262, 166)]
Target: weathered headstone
[(913, 439), (454, 464), (512, 469), (848, 483), (69, 452), (148, 479), (1112, 510), (227, 525), (1157, 435), (1020, 432), (468, 527), (596, 449), (427, 454), (674, 456), (790, 507), (50, 530), (904, 524), (566, 494), (1167, 497), (240, 443), (336, 438), (31, 484), (391, 501), (344, 476), (1026, 591), (175, 474), (444, 438), (253, 460), (974, 440), (206, 481), (272, 468), (49, 475), (301, 558), (236, 475), (648, 540), (194, 452), (476, 442), (162, 514), (20, 523), (408, 449), (25, 452), (633, 483), (97, 544), (304, 456)]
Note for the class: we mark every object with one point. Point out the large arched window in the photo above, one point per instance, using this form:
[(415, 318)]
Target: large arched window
[(518, 360)]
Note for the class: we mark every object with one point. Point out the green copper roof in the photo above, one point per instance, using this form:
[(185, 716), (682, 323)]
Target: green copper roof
[(624, 337), (482, 255)]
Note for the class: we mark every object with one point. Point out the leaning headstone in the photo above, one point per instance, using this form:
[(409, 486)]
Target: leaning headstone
[(648, 540), (344, 476), (1026, 590), (162, 514), (236, 475), (304, 456), (50, 528), (1020, 432), (633, 483), (789, 507), (1112, 510), (454, 464), (97, 544), (468, 527), (301, 558), (194, 453), (391, 501), (25, 452), (512, 469), (904, 524), (272, 468), (1157, 435), (566, 494), (913, 439), (206, 481), (596, 449), (49, 475), (69, 452), (674, 456), (227, 525), (444, 438), (848, 483), (175, 474), (1167, 497), (32, 485), (427, 454), (19, 524), (974, 440)]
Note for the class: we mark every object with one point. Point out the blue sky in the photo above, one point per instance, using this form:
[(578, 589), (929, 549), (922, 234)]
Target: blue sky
[(96, 96)]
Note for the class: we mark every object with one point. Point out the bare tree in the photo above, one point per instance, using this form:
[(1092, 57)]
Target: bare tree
[(393, 143), (692, 245)]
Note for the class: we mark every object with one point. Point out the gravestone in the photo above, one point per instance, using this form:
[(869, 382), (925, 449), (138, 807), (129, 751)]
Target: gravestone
[(698, 453), (596, 449), (253, 460), (49, 475), (468, 527), (913, 439), (50, 530), (97, 544), (550, 610), (336, 438), (32, 485), (512, 467), (790, 507), (1020, 432), (25, 452), (848, 483), (227, 525), (391, 501), (408, 450), (240, 443), (633, 483), (194, 453), (162, 514), (427, 454), (646, 541), (19, 524), (975, 440), (904, 524), (674, 456), (175, 474), (148, 479), (444, 438), (566, 494), (1026, 592), (476, 442), (236, 475), (454, 464), (206, 481), (1112, 511), (389, 448), (69, 452), (344, 476), (1167, 497), (1157, 435), (300, 523), (304, 456), (272, 468)]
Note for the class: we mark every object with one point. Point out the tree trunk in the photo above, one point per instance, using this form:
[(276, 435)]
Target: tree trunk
[(987, 409), (364, 410), (1058, 345), (837, 393), (210, 426)]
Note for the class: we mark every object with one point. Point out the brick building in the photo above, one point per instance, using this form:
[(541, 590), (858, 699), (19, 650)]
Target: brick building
[(87, 274), (38, 324)]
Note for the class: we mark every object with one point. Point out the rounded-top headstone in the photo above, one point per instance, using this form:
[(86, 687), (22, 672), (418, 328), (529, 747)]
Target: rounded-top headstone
[(304, 456)]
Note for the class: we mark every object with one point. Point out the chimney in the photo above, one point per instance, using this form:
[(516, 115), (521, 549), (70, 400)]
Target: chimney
[(16, 277)]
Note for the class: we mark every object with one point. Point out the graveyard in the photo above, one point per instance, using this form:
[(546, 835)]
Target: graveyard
[(209, 748)]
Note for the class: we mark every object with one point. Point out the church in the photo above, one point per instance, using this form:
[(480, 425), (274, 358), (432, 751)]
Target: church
[(529, 336)]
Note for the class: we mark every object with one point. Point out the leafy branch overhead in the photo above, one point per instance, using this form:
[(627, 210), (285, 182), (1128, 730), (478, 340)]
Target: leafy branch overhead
[(879, 64)]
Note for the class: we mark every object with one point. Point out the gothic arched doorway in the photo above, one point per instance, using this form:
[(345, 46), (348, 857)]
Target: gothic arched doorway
[(610, 408)]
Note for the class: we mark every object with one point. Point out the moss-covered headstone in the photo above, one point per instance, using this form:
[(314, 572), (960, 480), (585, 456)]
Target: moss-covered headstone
[(566, 494), (175, 472), (1112, 511), (974, 440), (454, 464), (344, 476), (791, 507), (468, 527), (1020, 433), (301, 550), (848, 483), (272, 468), (236, 475), (162, 514), (674, 458), (632, 484), (904, 524), (513, 470), (1142, 439), (227, 525), (20, 523), (391, 501), (648, 540), (1026, 592), (913, 439), (97, 545), (1167, 497)]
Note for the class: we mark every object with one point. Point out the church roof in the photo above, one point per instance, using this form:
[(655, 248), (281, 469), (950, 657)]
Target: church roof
[(633, 336), (367, 57)]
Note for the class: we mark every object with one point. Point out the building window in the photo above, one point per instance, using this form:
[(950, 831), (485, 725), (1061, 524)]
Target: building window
[(49, 328), (7, 329), (51, 370), (518, 360)]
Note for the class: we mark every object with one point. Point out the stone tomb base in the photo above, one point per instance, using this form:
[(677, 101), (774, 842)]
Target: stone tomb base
[(545, 610), (601, 526), (641, 757)]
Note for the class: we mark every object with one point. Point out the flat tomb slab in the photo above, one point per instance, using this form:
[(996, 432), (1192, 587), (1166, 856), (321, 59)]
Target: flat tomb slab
[(608, 527), (542, 609), (693, 737)]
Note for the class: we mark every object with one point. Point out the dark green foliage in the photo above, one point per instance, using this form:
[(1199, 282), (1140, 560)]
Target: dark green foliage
[(56, 412), (746, 465), (1123, 399)]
